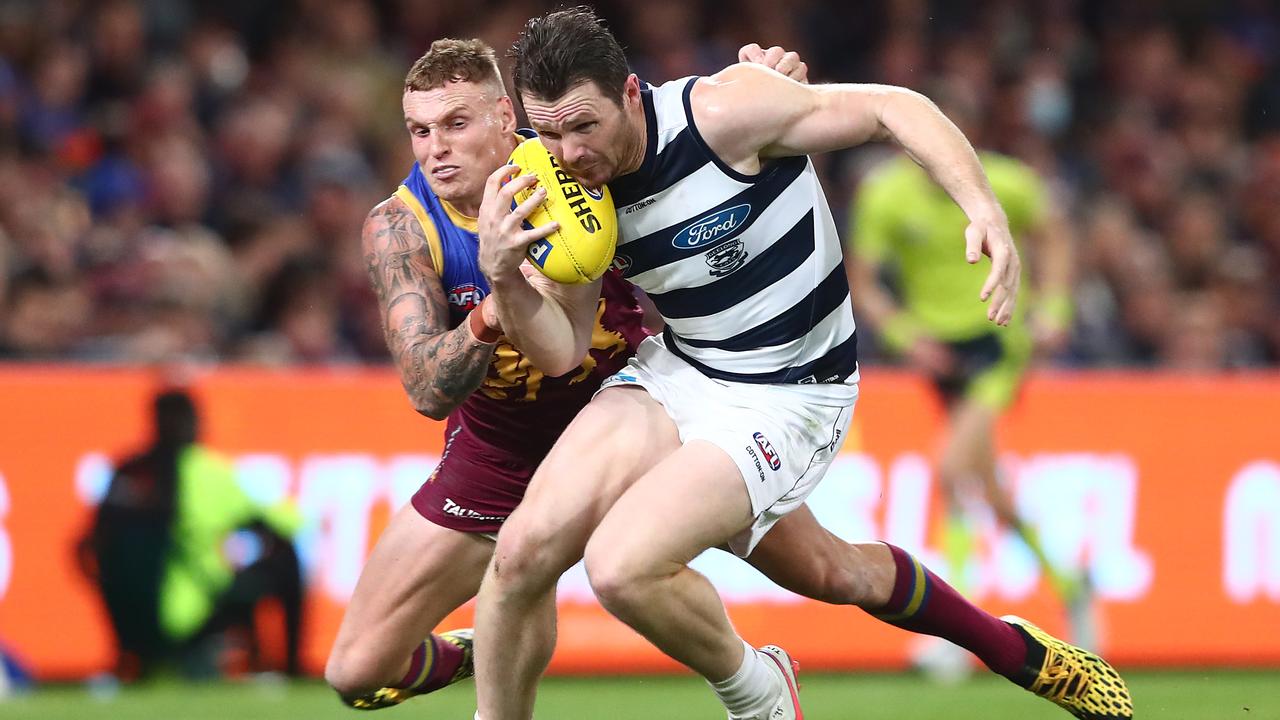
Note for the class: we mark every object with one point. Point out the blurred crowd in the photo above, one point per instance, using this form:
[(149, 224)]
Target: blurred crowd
[(187, 180)]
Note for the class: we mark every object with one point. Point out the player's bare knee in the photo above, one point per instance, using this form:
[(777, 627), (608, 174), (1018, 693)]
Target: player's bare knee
[(529, 557), (617, 590), (350, 674), (609, 574), (617, 579)]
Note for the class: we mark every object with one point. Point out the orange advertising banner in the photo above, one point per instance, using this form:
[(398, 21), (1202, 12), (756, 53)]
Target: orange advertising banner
[(1165, 489)]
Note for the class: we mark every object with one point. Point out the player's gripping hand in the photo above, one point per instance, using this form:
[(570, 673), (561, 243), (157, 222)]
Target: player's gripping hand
[(991, 237), (784, 61), (503, 239)]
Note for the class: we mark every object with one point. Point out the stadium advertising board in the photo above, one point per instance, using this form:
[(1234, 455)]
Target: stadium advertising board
[(1165, 489)]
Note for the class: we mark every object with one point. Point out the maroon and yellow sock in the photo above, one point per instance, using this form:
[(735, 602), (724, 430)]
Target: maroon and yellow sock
[(433, 665), (922, 603)]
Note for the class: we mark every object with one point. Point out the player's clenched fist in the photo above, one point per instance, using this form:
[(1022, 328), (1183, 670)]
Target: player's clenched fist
[(775, 58)]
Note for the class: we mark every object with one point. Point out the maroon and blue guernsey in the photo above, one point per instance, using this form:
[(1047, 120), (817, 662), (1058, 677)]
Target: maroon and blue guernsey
[(497, 437)]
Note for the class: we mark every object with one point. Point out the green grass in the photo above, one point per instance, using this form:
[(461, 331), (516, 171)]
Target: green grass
[(1189, 695)]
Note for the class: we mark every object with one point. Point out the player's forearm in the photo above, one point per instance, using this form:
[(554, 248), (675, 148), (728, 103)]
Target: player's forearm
[(1055, 258), (438, 367), (875, 305), (937, 145), (1052, 271), (439, 372), (877, 308), (539, 326)]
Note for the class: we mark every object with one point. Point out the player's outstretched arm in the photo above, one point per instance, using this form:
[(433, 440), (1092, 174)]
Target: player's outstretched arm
[(749, 114), (439, 367), (550, 323)]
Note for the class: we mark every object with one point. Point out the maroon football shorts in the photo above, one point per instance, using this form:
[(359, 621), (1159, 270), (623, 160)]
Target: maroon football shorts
[(475, 487)]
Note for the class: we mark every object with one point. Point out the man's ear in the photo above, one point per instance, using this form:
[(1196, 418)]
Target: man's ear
[(631, 91), (507, 114)]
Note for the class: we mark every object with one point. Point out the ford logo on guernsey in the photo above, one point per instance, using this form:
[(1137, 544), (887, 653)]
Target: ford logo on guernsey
[(711, 228)]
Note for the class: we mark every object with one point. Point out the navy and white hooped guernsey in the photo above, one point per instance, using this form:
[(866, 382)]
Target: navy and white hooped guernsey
[(745, 269)]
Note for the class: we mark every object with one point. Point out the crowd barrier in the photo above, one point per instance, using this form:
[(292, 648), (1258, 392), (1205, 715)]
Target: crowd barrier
[(1164, 488)]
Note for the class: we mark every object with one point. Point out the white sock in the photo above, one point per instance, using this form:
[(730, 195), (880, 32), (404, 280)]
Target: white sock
[(751, 691)]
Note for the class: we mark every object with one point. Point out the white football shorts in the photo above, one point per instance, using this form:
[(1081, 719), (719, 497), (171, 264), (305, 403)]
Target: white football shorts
[(783, 437)]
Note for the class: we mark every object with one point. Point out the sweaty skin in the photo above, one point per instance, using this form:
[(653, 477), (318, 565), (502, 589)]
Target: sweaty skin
[(592, 143), (453, 152), (420, 571), (620, 489)]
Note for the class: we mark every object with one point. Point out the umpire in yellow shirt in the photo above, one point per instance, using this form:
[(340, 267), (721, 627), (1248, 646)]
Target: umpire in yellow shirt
[(903, 227)]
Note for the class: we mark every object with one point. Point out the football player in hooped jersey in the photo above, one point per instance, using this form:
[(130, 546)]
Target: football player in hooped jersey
[(503, 414), (720, 426)]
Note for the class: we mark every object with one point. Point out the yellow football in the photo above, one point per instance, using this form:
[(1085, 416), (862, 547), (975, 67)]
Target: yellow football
[(582, 248)]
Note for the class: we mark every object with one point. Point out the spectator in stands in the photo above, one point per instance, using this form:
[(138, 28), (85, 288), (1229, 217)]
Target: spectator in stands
[(46, 317), (124, 118)]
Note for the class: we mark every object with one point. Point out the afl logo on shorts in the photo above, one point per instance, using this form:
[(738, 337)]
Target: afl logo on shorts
[(766, 449), (466, 296)]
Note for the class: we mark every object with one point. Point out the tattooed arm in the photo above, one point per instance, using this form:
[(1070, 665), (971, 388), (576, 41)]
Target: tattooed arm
[(438, 366)]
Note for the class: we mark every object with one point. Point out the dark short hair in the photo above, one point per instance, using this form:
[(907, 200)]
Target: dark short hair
[(563, 49), (451, 60)]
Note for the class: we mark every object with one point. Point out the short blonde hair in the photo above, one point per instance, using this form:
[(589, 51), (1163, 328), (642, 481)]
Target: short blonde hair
[(451, 60)]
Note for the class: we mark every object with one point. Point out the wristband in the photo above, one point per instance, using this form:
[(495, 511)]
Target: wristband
[(480, 329)]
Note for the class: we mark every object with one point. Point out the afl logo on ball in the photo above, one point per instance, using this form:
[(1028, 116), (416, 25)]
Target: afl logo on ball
[(766, 449), (538, 250), (466, 296)]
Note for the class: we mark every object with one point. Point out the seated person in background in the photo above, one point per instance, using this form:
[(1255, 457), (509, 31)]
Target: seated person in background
[(156, 551)]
